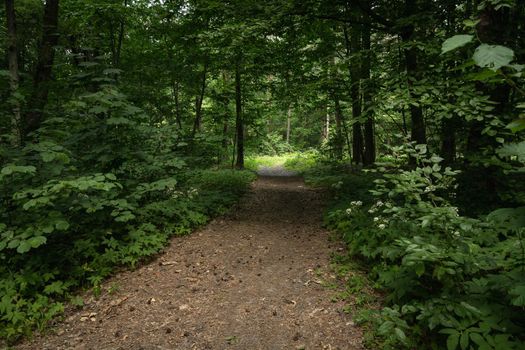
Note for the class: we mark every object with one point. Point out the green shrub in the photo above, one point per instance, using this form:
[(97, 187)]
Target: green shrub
[(451, 281), (90, 196)]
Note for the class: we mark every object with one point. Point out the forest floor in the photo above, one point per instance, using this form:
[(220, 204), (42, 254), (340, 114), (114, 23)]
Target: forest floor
[(255, 279)]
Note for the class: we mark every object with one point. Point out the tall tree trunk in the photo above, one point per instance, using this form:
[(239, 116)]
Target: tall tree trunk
[(42, 77), (198, 102), (339, 140), (369, 156), (288, 123), (120, 39), (224, 152), (448, 140), (12, 53), (175, 87), (355, 93), (418, 130), (492, 28), (448, 125), (326, 127), (239, 124)]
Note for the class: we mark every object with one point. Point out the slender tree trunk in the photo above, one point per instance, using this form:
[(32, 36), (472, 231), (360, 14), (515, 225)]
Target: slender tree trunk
[(448, 125), (223, 154), (239, 124), (339, 142), (288, 123), (120, 39), (448, 140), (326, 128), (492, 27), (12, 53), (418, 130), (175, 87), (198, 102), (42, 77), (369, 156), (355, 93)]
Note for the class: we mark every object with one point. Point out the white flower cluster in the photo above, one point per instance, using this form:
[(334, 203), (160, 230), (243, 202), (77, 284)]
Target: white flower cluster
[(375, 207), (192, 192), (430, 188), (353, 205)]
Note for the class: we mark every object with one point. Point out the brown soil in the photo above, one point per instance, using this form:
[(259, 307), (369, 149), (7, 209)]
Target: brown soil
[(253, 280)]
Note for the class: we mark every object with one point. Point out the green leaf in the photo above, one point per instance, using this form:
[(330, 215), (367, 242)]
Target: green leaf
[(452, 341), (24, 247), (37, 241), (109, 71), (56, 287), (519, 293), (493, 56), (516, 125), (464, 340), (456, 42), (62, 225), (419, 269), (480, 341), (400, 335), (513, 150), (47, 156)]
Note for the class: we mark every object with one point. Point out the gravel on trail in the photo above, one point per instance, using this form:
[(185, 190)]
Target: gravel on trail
[(255, 279)]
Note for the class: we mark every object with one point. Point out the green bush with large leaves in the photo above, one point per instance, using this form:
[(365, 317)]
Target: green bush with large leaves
[(96, 191), (451, 281)]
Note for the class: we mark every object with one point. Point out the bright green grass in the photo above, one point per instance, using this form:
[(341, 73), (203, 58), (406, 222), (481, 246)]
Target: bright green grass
[(254, 162), (296, 161)]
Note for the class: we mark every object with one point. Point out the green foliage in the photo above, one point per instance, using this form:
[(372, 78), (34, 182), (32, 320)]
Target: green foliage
[(456, 42), (451, 281), (100, 194), (493, 56)]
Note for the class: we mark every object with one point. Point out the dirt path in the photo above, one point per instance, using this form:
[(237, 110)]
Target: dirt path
[(249, 281)]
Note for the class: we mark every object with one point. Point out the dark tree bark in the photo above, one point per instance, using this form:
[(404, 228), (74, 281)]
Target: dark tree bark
[(12, 54), (493, 28), (120, 40), (178, 117), (198, 102), (369, 156), (239, 124), (44, 67), (355, 93), (448, 125), (339, 140), (418, 130), (448, 140), (288, 123)]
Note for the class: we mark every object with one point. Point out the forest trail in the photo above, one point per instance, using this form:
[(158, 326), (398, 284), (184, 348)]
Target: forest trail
[(252, 280)]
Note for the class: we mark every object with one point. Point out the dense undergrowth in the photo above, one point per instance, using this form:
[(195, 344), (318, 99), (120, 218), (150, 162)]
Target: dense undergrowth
[(449, 281), (99, 189)]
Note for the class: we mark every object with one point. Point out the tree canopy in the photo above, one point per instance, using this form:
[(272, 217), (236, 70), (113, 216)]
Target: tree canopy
[(113, 112)]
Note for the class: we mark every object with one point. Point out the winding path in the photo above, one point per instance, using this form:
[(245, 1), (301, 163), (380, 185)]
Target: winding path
[(252, 280)]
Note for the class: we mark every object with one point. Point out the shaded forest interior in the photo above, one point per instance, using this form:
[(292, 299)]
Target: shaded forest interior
[(125, 122)]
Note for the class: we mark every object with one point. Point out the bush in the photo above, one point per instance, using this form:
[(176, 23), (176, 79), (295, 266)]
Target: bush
[(97, 191), (451, 281)]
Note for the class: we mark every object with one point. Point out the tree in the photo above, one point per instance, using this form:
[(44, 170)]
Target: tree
[(12, 52), (44, 67)]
